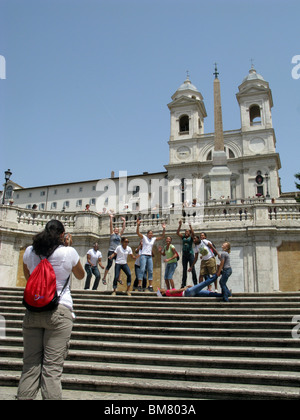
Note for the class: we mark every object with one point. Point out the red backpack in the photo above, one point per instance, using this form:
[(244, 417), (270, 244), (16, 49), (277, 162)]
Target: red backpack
[(40, 293)]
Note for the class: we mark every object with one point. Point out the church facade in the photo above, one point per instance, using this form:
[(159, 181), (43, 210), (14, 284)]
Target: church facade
[(232, 177)]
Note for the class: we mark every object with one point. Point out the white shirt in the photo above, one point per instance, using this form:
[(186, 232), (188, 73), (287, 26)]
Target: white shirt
[(147, 245), (137, 261), (63, 259), (122, 254), (94, 256), (206, 243)]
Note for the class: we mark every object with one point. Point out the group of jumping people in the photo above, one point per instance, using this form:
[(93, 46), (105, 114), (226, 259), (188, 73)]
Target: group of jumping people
[(192, 247)]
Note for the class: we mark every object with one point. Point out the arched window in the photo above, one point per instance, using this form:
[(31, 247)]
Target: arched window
[(229, 153), (255, 116), (184, 124)]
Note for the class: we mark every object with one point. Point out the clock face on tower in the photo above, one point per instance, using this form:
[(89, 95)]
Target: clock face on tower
[(183, 152)]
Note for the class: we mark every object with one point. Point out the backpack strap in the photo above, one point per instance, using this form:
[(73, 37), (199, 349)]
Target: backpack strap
[(65, 285)]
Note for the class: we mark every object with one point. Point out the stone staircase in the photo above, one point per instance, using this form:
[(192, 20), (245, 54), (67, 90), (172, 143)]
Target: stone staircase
[(197, 348)]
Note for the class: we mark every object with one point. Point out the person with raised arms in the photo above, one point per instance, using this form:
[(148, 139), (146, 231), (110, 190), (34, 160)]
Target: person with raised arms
[(146, 261)]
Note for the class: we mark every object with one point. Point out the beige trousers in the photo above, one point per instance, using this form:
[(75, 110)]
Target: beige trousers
[(46, 341)]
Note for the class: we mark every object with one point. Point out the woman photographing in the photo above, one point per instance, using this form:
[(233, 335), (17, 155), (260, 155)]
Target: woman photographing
[(46, 334)]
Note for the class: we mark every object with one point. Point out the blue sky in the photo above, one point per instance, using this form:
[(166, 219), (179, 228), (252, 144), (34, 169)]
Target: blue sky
[(88, 81)]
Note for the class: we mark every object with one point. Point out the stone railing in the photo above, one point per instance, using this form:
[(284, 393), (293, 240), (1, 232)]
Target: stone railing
[(210, 216), (38, 218), (284, 211)]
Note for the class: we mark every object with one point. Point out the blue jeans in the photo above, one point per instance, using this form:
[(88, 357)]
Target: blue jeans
[(223, 283), (146, 264), (170, 270), (137, 275), (196, 291), (126, 269), (89, 271)]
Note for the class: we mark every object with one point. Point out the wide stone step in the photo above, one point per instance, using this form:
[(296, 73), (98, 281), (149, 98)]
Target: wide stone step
[(285, 378), (92, 294), (166, 304), (200, 337), (273, 320), (271, 326), (213, 350), (94, 323), (221, 362), (222, 329), (187, 389)]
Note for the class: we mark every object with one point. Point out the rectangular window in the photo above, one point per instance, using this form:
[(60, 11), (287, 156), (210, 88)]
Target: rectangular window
[(135, 192)]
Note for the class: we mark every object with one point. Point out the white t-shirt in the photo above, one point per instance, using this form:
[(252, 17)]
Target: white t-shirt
[(62, 260), (95, 255), (122, 254), (204, 244), (147, 245), (137, 261)]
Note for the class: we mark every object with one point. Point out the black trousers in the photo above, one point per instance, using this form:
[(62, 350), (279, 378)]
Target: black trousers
[(188, 259)]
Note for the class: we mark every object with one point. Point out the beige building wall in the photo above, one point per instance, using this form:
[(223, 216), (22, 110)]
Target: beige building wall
[(289, 266)]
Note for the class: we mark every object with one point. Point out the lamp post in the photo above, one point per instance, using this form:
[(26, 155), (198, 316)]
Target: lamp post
[(267, 179), (8, 174)]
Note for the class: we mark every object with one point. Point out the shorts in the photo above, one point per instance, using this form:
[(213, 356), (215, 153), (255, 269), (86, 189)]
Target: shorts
[(208, 267)]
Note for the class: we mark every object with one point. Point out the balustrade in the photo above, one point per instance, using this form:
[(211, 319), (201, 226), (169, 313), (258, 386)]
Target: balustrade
[(33, 217), (244, 214)]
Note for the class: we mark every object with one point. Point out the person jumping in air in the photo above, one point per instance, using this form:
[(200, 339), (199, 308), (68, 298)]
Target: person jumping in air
[(121, 254)]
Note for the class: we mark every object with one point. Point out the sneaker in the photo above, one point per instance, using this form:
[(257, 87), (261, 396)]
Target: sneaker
[(150, 288), (113, 293), (139, 289)]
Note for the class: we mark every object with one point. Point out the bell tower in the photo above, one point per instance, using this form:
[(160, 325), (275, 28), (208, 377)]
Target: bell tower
[(187, 112), (258, 137), (255, 101)]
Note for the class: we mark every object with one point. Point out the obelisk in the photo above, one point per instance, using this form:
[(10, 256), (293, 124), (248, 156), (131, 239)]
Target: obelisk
[(220, 173), (219, 135)]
